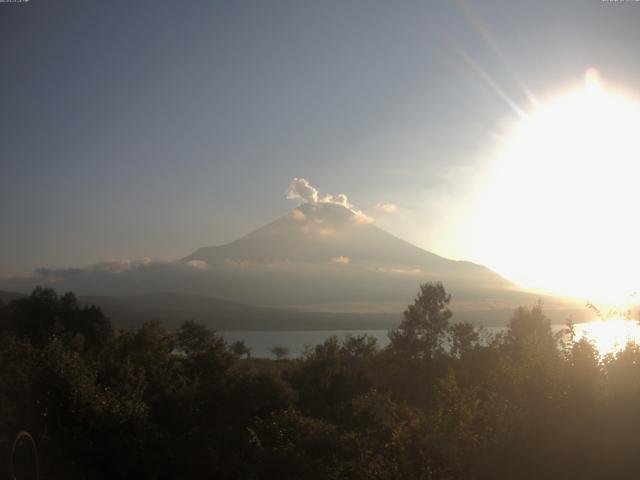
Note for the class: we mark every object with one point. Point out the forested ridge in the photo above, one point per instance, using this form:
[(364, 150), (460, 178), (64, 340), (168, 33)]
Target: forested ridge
[(443, 401)]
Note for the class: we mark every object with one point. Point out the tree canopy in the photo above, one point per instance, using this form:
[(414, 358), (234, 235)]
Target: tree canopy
[(443, 400)]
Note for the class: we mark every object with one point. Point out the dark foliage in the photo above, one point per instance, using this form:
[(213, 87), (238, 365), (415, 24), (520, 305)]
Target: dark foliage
[(442, 401)]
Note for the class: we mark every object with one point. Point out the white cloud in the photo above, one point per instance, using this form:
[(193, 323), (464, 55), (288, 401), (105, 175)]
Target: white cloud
[(341, 259), (340, 199), (386, 207), (298, 214), (108, 266), (301, 189), (401, 271), (243, 264), (118, 266), (361, 217), (198, 264)]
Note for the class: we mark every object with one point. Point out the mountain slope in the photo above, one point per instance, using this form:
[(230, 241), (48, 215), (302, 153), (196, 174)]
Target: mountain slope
[(321, 257), (318, 233), (324, 254), (6, 297), (174, 308)]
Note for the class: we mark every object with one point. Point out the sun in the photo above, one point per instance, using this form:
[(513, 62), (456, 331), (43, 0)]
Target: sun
[(558, 210)]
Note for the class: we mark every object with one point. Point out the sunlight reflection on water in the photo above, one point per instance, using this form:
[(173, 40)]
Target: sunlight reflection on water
[(609, 336)]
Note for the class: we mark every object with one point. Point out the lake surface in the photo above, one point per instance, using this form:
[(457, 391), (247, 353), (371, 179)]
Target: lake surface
[(261, 342), (608, 336)]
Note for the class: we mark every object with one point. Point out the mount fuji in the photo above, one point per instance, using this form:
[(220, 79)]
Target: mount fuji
[(322, 258)]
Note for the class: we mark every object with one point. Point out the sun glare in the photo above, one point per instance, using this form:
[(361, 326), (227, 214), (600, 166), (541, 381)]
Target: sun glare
[(558, 211), (609, 336)]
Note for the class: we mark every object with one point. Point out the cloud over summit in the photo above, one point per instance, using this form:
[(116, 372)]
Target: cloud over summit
[(302, 191)]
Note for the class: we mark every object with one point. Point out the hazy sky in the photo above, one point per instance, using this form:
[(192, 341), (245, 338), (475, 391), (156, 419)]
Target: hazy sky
[(140, 128)]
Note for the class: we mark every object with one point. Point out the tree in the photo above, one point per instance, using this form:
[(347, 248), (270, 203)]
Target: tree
[(531, 323), (44, 314), (280, 352), (194, 337), (333, 373), (240, 349), (422, 333), (463, 337)]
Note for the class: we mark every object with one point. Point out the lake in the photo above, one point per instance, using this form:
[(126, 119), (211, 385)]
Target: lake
[(608, 336), (261, 342)]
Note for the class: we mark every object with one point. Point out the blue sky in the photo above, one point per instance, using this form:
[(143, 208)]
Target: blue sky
[(131, 129)]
